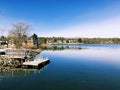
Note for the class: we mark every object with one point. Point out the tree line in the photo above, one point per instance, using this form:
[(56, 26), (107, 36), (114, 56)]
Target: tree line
[(61, 40), (19, 34)]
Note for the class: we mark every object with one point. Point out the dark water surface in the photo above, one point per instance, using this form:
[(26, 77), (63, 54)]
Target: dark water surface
[(95, 67)]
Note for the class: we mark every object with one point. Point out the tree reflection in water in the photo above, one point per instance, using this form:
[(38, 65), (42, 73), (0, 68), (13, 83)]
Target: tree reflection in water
[(14, 73)]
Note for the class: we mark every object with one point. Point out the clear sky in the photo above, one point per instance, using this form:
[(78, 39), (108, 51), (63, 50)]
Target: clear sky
[(65, 18)]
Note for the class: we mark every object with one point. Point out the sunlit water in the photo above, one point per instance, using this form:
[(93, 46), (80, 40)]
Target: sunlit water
[(95, 67)]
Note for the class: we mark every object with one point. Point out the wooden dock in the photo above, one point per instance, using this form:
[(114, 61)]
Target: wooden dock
[(37, 63)]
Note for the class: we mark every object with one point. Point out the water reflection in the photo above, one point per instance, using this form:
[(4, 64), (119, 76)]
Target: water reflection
[(55, 47), (97, 67), (102, 53), (16, 73)]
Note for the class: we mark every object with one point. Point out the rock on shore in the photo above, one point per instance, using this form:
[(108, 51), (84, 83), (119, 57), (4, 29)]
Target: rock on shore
[(7, 63)]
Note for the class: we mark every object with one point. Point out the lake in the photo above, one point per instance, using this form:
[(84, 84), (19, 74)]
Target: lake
[(74, 67)]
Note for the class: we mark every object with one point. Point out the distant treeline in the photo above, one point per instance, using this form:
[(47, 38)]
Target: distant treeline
[(61, 40), (100, 40)]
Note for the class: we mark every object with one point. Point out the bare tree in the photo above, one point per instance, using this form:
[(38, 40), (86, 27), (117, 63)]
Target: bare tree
[(19, 32)]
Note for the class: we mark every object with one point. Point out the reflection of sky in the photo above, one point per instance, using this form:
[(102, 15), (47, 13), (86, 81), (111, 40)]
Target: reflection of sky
[(89, 53), (100, 53), (95, 68)]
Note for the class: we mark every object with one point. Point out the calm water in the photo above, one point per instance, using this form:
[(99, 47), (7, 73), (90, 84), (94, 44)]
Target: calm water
[(94, 67)]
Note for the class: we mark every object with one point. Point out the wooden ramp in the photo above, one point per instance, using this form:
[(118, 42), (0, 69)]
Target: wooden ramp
[(37, 63)]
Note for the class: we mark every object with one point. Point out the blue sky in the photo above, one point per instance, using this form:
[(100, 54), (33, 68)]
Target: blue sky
[(66, 18)]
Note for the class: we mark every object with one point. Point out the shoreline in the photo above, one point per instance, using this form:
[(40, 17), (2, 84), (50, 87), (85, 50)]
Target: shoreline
[(8, 63), (80, 43)]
